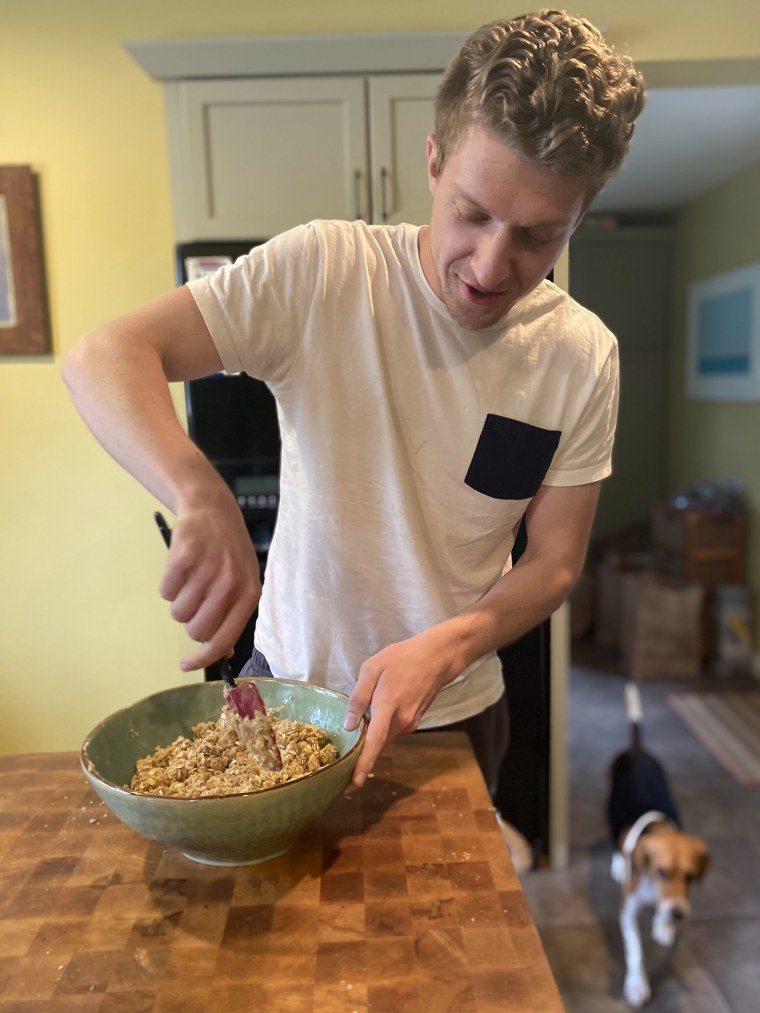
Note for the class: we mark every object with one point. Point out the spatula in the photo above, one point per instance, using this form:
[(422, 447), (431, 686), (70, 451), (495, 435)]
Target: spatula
[(251, 721)]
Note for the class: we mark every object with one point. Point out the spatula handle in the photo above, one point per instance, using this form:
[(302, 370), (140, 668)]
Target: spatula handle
[(163, 527)]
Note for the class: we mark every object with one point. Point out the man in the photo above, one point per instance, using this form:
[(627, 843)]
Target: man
[(432, 389)]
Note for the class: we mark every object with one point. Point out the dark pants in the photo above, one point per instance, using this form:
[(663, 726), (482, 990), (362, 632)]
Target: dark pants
[(257, 667), (488, 731)]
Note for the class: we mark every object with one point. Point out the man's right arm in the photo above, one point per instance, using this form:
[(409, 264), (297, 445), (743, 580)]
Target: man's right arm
[(118, 377)]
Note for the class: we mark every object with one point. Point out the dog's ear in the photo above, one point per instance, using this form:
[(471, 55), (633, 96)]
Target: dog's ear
[(647, 849), (702, 856), (644, 853), (642, 859)]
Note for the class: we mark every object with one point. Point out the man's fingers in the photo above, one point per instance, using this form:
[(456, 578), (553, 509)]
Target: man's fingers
[(221, 621), (352, 718), (358, 704), (219, 642), (373, 745), (205, 655), (359, 701)]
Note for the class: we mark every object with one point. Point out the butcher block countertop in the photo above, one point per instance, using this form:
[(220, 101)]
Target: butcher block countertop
[(402, 898)]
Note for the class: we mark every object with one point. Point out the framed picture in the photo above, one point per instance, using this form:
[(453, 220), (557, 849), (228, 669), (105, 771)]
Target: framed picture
[(24, 324), (723, 355)]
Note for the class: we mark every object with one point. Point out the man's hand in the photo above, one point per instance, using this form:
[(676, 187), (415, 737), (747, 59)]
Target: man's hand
[(212, 579), (400, 682)]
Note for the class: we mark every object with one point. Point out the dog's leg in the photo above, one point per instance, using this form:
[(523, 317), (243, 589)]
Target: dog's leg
[(618, 867), (636, 988)]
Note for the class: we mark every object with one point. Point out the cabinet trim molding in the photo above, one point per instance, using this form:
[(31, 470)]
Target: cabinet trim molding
[(291, 55)]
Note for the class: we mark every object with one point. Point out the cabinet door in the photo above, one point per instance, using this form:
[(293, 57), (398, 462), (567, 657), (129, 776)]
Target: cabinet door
[(253, 157), (401, 117)]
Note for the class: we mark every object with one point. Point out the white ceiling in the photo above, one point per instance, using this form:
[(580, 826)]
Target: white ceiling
[(686, 141)]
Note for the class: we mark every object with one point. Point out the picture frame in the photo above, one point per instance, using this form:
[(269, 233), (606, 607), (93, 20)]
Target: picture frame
[(723, 351), (24, 320)]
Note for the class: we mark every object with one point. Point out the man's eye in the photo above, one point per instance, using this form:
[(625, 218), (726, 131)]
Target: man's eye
[(532, 239), (471, 216)]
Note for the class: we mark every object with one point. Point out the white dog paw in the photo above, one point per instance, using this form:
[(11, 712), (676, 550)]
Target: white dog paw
[(664, 926), (664, 935), (636, 990)]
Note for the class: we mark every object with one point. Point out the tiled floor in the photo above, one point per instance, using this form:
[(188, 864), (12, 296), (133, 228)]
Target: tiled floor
[(715, 965)]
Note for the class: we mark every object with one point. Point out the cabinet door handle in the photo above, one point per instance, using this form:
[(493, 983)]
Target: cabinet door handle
[(384, 193), (357, 193)]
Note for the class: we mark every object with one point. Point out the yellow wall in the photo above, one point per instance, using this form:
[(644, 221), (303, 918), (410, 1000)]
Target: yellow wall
[(713, 441), (83, 629)]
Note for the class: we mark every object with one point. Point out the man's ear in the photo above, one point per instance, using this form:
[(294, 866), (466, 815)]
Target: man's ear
[(432, 159)]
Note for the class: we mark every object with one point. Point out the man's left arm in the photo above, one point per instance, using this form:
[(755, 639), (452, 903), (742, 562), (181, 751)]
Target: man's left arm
[(401, 681)]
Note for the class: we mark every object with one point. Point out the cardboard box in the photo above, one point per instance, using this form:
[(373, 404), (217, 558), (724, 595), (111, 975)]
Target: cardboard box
[(611, 572), (662, 627)]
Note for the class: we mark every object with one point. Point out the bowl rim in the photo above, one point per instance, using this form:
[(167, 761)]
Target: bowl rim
[(91, 773)]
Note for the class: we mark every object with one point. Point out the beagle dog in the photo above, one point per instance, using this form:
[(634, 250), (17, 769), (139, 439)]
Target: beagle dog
[(654, 861)]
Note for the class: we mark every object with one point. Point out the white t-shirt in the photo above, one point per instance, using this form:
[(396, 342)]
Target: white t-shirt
[(411, 446)]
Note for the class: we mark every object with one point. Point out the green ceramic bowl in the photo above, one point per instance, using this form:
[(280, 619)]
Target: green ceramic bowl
[(226, 829)]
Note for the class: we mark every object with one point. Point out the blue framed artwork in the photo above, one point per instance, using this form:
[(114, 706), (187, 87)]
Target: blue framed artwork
[(723, 355)]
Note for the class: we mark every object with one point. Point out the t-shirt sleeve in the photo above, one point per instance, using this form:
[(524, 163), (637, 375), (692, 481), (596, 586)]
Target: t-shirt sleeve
[(584, 453), (257, 308)]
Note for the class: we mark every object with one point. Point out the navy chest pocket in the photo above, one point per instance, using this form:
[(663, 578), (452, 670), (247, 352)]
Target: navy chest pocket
[(511, 458)]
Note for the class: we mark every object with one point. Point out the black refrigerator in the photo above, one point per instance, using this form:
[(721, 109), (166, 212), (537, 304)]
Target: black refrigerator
[(233, 419)]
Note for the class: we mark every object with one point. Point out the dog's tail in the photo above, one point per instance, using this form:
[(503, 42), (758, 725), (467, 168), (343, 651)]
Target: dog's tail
[(634, 712)]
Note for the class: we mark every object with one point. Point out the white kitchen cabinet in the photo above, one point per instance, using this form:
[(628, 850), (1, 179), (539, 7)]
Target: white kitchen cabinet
[(401, 109), (251, 157)]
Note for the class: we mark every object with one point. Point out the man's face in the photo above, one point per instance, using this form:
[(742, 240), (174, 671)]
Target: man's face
[(497, 226)]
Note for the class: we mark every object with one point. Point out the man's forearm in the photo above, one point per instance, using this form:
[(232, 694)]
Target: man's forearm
[(517, 602), (122, 393), (119, 378)]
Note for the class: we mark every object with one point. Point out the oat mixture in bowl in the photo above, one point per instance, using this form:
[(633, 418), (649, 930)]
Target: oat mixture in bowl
[(216, 762)]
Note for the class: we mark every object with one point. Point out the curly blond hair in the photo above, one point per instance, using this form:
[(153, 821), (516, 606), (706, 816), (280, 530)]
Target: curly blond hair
[(550, 87)]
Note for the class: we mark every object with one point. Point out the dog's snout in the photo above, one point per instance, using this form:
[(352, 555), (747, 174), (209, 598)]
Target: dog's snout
[(677, 914)]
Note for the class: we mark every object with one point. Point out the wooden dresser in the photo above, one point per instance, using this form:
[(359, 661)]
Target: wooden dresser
[(702, 545)]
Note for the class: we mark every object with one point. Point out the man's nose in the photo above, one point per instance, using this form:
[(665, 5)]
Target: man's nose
[(492, 261)]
